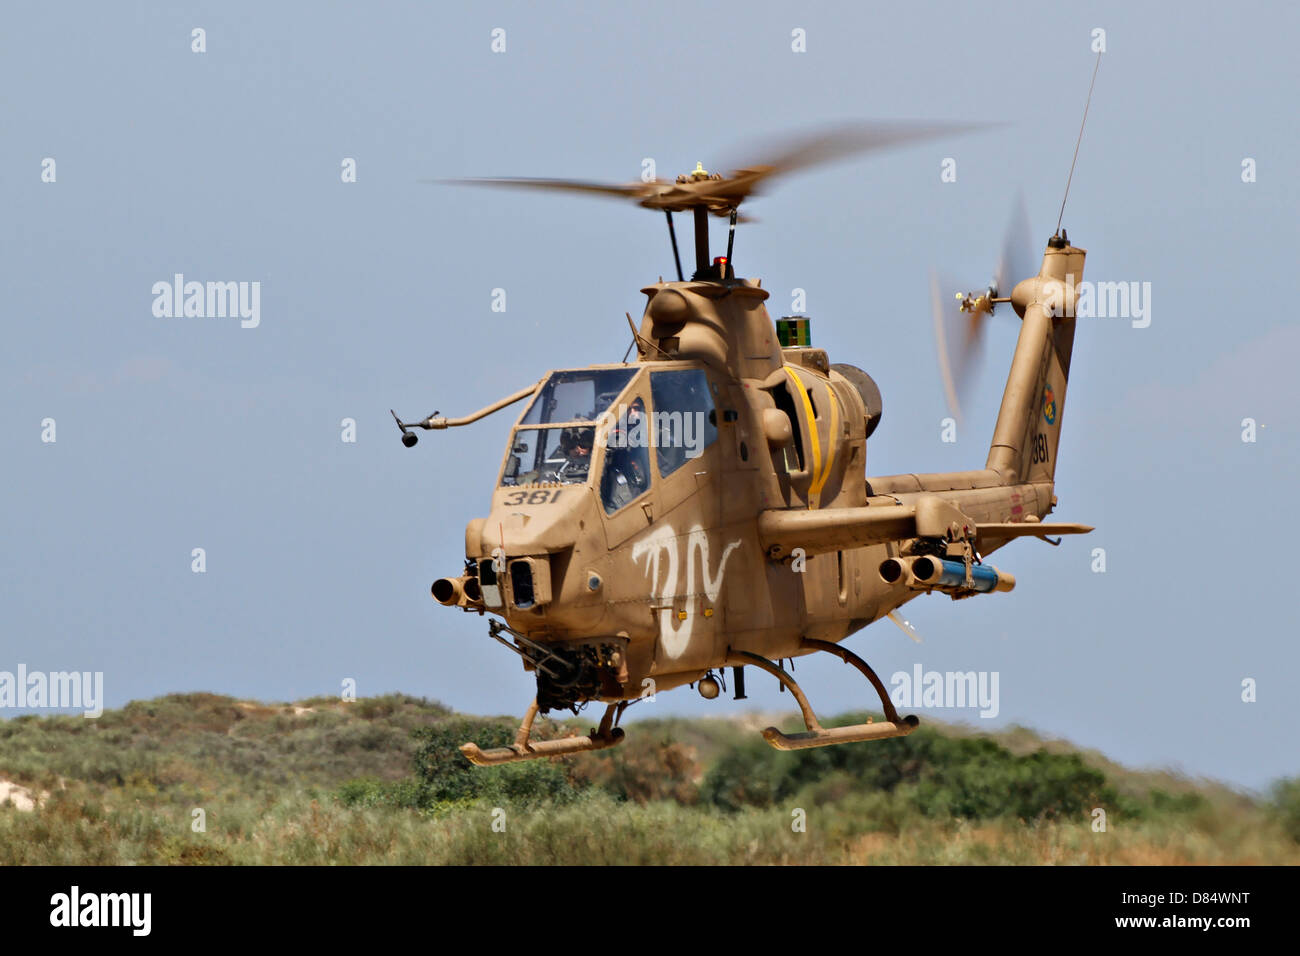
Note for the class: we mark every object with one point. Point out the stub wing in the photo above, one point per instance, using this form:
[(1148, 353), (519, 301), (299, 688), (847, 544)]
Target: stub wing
[(836, 529), (1038, 529)]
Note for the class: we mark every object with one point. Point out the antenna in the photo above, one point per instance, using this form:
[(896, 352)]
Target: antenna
[(1077, 142)]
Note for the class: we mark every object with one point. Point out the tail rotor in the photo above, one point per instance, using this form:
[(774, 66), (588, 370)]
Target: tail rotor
[(959, 321)]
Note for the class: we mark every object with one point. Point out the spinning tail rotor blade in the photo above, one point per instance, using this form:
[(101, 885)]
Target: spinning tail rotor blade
[(961, 317), (957, 340), (1017, 260)]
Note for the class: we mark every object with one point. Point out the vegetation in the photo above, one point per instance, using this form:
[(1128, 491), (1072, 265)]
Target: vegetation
[(204, 779)]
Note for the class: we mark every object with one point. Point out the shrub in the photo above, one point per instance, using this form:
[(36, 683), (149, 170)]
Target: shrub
[(641, 770), (443, 773), (967, 777), (1286, 805)]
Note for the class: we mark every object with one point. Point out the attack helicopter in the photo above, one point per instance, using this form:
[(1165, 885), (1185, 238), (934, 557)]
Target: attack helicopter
[(706, 506)]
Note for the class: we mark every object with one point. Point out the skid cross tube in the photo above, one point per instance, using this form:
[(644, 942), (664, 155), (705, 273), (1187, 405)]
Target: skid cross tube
[(817, 735), (848, 657), (524, 748)]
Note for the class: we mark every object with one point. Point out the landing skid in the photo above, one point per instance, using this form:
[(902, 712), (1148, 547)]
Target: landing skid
[(524, 748), (817, 735), (607, 735)]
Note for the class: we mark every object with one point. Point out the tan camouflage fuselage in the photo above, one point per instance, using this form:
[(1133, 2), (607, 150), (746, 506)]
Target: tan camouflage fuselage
[(755, 545)]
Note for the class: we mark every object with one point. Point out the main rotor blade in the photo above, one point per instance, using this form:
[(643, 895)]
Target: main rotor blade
[(720, 195), (789, 155), (621, 190), (840, 142)]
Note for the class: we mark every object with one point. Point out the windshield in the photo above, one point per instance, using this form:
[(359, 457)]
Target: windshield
[(579, 395), (556, 455)]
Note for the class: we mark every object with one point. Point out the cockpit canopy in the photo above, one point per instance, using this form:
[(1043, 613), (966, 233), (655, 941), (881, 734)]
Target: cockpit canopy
[(551, 444), (623, 417), (577, 395), (550, 456)]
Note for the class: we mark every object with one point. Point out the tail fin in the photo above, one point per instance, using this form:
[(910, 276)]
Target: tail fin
[(1028, 430)]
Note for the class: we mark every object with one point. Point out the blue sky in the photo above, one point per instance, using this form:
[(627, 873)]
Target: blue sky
[(179, 433)]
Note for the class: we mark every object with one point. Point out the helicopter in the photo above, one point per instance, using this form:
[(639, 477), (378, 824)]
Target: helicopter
[(706, 506)]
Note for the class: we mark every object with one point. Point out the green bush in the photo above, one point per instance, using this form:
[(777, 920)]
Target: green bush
[(368, 792), (965, 777), (1165, 802), (444, 774), (1286, 805), (645, 768), (439, 765)]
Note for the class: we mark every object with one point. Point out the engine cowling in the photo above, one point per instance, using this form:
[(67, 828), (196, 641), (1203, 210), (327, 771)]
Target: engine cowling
[(867, 388)]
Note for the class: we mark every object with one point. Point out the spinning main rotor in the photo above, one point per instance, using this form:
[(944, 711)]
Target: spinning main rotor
[(703, 193)]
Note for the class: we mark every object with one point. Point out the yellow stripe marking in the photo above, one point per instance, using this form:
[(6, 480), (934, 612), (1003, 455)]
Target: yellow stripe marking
[(812, 431), (830, 444)]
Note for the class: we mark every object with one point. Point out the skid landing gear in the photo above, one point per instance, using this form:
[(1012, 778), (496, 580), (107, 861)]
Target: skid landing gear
[(817, 735), (607, 735)]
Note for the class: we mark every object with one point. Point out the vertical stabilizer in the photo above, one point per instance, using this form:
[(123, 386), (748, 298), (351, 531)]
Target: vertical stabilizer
[(1028, 431)]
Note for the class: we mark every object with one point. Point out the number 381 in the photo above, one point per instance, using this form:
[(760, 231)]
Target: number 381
[(1040, 449), (540, 497)]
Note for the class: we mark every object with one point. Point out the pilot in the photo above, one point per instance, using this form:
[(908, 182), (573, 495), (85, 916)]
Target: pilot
[(624, 478), (626, 461), (575, 446)]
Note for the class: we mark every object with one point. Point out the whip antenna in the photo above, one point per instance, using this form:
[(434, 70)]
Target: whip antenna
[(1077, 142)]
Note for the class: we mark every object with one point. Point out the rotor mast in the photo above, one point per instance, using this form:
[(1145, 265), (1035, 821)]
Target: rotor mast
[(700, 211), (701, 239), (703, 263)]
